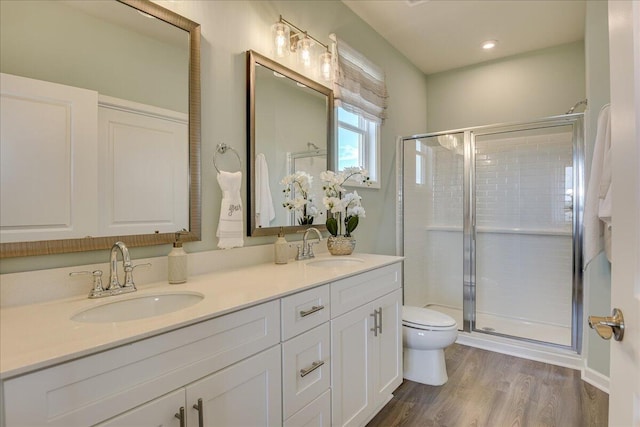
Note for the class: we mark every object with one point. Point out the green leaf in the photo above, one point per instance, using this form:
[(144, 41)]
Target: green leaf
[(332, 226), (352, 223)]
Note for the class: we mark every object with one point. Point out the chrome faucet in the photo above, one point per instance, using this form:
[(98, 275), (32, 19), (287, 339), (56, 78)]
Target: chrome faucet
[(113, 287), (114, 283), (306, 250)]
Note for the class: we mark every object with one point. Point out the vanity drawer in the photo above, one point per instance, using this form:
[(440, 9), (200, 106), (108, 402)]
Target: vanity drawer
[(305, 310), (352, 292), (306, 368), (315, 414), (94, 388)]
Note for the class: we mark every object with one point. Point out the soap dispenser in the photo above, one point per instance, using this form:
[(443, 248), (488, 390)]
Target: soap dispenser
[(177, 262), (281, 248)]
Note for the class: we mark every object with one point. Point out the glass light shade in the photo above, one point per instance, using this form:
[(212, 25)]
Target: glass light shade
[(325, 66), (305, 57), (280, 35)]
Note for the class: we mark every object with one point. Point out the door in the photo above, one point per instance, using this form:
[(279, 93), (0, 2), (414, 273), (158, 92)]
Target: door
[(624, 45), (388, 346), (245, 394), (352, 391)]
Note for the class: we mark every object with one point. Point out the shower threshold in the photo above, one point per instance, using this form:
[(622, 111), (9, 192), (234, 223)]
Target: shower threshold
[(518, 328)]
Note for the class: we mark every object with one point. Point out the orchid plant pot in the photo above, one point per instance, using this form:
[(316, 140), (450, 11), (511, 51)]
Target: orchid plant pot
[(341, 245)]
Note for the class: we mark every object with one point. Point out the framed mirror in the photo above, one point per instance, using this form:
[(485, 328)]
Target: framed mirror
[(123, 76), (289, 129)]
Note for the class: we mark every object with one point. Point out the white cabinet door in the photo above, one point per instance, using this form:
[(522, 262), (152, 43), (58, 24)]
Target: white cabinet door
[(141, 192), (388, 347), (245, 394), (48, 156), (366, 363), (160, 412), (352, 391)]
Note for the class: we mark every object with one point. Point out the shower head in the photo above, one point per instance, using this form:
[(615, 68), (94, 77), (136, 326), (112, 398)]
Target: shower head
[(584, 101)]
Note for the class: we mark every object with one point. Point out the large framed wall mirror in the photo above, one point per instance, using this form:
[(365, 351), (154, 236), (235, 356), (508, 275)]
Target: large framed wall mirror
[(289, 129), (100, 126)]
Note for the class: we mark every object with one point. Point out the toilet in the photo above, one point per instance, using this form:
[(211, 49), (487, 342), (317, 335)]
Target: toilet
[(425, 335)]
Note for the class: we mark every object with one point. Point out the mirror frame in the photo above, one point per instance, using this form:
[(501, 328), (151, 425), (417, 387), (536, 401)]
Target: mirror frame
[(254, 59), (89, 243)]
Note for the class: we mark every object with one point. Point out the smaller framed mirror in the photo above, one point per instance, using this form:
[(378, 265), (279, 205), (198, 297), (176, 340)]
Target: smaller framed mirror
[(289, 129)]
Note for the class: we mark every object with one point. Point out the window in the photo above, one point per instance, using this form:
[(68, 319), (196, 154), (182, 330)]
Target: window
[(358, 144)]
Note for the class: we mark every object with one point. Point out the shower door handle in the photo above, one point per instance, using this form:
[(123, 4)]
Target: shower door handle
[(609, 326)]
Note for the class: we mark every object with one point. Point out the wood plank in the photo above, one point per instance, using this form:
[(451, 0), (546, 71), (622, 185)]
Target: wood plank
[(487, 389)]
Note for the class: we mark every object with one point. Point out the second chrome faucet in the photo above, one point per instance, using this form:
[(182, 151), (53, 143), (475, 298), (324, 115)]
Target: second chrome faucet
[(306, 250)]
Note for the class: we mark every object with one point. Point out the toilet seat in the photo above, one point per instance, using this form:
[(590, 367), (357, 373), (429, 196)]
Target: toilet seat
[(426, 319)]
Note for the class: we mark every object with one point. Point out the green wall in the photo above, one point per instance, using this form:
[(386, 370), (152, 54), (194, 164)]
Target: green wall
[(229, 28), (518, 88)]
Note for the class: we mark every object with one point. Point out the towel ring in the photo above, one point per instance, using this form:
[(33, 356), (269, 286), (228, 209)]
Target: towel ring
[(222, 149)]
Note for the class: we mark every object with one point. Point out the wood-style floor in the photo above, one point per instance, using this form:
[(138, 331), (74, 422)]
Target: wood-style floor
[(487, 389)]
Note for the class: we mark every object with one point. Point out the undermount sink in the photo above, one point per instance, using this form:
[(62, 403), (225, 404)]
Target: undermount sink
[(335, 262), (138, 307)]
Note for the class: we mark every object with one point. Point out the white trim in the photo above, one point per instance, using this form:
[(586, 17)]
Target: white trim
[(136, 107), (595, 378), (524, 350)]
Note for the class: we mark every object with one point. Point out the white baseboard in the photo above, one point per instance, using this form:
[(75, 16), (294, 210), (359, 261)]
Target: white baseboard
[(525, 350), (595, 378)]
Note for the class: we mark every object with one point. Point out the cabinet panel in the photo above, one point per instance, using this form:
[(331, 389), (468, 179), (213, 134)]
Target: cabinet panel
[(305, 310), (352, 292), (157, 413), (388, 349), (245, 394), (352, 389), (300, 354), (97, 387), (142, 193), (315, 414), (52, 129)]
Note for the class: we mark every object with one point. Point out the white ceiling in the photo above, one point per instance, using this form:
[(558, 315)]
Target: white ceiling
[(439, 35)]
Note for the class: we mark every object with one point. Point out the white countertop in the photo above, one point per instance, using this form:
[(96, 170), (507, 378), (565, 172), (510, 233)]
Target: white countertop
[(40, 335)]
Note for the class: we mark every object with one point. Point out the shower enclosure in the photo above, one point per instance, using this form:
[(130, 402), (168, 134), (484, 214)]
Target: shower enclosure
[(490, 229)]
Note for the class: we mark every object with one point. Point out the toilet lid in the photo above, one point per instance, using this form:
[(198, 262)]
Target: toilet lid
[(426, 317)]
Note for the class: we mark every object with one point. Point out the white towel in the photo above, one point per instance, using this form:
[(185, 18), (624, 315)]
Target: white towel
[(265, 213), (230, 225), (599, 190)]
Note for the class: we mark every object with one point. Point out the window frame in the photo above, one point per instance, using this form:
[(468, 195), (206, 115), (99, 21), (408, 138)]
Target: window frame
[(369, 150)]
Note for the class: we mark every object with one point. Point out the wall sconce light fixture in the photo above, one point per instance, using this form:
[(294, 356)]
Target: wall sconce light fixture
[(288, 38)]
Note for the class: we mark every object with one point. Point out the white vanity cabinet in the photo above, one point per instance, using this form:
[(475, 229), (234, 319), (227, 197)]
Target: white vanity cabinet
[(327, 355), (366, 344), (223, 361)]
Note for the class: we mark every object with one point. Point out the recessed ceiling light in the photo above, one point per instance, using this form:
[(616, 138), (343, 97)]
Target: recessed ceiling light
[(489, 44)]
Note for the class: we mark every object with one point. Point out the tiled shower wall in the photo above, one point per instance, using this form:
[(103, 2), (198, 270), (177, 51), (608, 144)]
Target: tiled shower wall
[(523, 218)]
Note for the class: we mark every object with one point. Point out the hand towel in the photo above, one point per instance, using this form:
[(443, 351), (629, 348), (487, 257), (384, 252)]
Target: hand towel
[(265, 212), (598, 188), (229, 232)]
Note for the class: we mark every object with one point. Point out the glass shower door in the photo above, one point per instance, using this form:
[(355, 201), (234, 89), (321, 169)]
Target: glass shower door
[(433, 190), (524, 197)]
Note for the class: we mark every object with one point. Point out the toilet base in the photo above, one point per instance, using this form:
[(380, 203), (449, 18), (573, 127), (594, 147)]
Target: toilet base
[(425, 366)]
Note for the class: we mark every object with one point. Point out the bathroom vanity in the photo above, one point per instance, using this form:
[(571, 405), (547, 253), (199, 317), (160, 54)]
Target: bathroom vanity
[(314, 342)]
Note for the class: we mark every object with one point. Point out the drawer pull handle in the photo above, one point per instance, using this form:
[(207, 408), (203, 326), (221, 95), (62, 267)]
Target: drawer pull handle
[(180, 416), (375, 323), (198, 407), (312, 310), (314, 366)]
